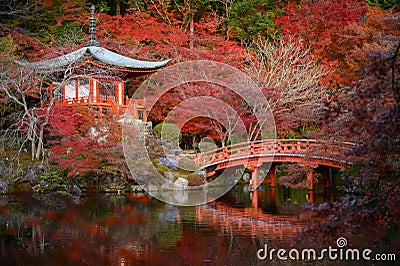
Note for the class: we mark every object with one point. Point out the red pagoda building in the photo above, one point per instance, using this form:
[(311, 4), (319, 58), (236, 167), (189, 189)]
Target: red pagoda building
[(95, 77)]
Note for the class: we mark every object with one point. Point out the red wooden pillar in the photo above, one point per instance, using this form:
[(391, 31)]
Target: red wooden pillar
[(144, 115), (76, 90), (272, 176), (310, 179), (119, 93), (91, 85), (96, 92), (254, 178), (310, 196), (135, 110), (116, 92), (51, 88), (254, 199), (199, 214)]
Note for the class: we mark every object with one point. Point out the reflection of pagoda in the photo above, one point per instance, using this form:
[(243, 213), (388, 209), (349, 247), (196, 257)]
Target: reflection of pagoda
[(97, 77)]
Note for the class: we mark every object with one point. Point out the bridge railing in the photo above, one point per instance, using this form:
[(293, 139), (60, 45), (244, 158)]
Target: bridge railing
[(276, 147)]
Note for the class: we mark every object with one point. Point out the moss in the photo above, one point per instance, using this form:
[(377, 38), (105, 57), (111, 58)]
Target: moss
[(186, 163), (194, 179), (21, 186)]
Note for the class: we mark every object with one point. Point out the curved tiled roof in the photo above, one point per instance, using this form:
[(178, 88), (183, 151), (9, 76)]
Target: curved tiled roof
[(99, 54)]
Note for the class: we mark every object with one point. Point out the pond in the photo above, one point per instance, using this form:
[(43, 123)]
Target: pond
[(135, 229)]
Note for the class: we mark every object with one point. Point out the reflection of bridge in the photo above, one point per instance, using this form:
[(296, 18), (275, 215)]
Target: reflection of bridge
[(257, 154), (252, 221)]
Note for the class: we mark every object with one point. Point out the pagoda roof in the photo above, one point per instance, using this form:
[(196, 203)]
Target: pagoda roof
[(96, 55)]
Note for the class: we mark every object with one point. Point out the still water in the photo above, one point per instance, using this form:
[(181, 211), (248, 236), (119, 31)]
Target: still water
[(135, 229)]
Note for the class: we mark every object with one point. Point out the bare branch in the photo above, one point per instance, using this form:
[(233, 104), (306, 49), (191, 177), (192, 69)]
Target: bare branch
[(288, 74), (20, 8)]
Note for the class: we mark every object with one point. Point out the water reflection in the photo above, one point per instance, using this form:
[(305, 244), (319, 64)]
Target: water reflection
[(136, 229)]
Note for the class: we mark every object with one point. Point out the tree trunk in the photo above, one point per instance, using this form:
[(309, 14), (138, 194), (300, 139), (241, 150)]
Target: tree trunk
[(39, 145), (33, 148), (117, 7)]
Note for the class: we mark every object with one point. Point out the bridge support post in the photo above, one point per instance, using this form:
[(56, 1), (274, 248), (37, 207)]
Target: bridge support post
[(310, 179), (254, 178), (310, 196), (254, 199), (272, 176)]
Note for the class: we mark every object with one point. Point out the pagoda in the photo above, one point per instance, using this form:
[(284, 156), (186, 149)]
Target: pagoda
[(96, 77)]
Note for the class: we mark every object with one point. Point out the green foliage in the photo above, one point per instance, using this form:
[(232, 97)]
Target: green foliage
[(207, 144), (70, 33), (385, 4), (7, 47), (293, 135), (103, 7), (354, 170), (303, 130), (53, 181), (168, 132), (162, 169), (254, 18), (110, 6)]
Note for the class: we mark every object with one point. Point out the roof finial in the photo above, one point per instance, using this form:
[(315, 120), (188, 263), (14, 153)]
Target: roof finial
[(92, 29)]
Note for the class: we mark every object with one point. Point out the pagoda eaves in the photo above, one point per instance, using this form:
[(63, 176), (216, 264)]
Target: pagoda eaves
[(97, 56)]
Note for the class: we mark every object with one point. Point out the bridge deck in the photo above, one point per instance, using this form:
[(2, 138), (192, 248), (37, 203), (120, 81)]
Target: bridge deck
[(303, 151)]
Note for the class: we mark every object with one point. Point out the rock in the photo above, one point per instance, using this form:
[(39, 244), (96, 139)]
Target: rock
[(170, 163), (3, 168), (182, 182), (195, 179), (3, 187), (202, 175), (76, 191), (246, 177), (22, 186), (169, 176), (33, 172), (187, 164)]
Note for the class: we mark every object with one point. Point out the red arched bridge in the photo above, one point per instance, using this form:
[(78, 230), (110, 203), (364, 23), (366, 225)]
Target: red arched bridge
[(256, 154)]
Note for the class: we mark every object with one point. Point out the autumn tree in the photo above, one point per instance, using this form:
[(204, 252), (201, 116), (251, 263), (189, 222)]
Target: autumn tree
[(85, 145), (369, 114), (291, 79), (323, 26), (23, 88)]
